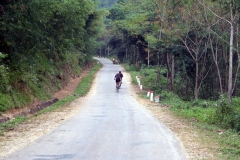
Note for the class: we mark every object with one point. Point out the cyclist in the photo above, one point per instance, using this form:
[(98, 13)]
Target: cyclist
[(121, 75), (117, 78)]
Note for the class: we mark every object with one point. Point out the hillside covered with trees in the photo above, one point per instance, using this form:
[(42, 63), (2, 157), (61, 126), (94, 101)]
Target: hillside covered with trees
[(42, 43)]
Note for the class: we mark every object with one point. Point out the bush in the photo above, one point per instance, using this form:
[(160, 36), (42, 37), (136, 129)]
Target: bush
[(235, 123), (4, 79), (236, 102), (130, 68), (5, 102), (168, 95), (224, 112), (201, 103)]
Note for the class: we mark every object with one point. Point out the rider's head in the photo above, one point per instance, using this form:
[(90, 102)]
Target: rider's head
[(119, 71)]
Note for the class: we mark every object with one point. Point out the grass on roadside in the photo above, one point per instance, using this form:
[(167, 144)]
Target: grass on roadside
[(11, 124), (222, 143), (82, 89)]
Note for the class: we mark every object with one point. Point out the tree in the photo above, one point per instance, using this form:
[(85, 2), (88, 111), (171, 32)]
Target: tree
[(232, 7)]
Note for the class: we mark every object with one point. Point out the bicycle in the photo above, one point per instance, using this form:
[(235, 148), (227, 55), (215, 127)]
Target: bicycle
[(118, 87), (120, 83)]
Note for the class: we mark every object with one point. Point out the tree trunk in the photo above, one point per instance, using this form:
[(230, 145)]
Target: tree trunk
[(148, 54), (133, 55), (186, 87), (172, 74), (126, 54), (137, 57), (215, 58), (167, 80), (226, 68), (158, 71), (168, 72), (238, 67), (230, 58), (196, 81)]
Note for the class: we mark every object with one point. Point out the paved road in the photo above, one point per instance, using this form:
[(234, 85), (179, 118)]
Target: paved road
[(110, 126)]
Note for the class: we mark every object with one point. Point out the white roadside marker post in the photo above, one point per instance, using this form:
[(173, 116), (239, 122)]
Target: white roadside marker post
[(148, 93), (138, 81), (157, 99), (151, 96)]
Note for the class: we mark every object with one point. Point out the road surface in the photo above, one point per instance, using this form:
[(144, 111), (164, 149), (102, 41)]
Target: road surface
[(110, 126)]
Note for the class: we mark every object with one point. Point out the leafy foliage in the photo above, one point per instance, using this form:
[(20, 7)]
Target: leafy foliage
[(107, 3), (219, 118), (42, 43), (189, 38), (219, 113), (89, 78)]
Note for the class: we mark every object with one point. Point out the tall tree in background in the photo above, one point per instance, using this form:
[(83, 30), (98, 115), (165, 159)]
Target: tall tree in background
[(232, 9)]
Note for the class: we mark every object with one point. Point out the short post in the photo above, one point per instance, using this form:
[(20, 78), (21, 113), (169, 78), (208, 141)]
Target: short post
[(151, 96), (141, 86), (139, 82), (157, 99), (148, 93)]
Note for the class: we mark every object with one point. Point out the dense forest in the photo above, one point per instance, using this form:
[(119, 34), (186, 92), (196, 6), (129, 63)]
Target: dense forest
[(42, 44), (193, 43), (187, 52)]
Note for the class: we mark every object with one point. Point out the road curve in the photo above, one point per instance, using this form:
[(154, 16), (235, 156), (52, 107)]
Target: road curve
[(110, 126)]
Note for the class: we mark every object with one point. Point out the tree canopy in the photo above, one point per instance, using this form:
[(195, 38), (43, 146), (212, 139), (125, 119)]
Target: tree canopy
[(197, 41), (41, 43)]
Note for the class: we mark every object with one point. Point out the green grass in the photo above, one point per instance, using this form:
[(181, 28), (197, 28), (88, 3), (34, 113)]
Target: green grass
[(203, 115), (86, 82), (11, 124), (82, 89)]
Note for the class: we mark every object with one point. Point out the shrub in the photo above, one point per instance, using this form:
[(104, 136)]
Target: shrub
[(224, 112), (201, 103), (236, 102), (5, 102), (168, 95), (131, 68), (4, 79), (235, 123)]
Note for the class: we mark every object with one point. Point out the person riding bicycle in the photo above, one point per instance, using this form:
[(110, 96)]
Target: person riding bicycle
[(117, 78), (121, 75)]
